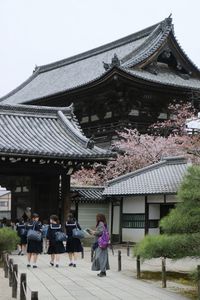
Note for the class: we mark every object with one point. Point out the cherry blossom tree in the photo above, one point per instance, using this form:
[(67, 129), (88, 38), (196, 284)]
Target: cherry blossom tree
[(135, 150)]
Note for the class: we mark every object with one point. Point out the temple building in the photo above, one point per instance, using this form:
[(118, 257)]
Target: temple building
[(40, 147), (126, 83)]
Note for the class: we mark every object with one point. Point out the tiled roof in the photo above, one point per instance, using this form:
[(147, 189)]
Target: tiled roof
[(160, 178), (89, 193), (82, 69), (165, 76), (44, 132)]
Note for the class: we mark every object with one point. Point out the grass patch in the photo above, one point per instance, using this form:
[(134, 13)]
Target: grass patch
[(190, 293), (186, 279), (179, 277)]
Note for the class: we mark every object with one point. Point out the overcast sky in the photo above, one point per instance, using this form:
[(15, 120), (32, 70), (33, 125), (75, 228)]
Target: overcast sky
[(37, 32)]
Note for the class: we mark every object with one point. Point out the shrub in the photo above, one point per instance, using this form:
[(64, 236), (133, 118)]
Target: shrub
[(172, 246), (8, 239)]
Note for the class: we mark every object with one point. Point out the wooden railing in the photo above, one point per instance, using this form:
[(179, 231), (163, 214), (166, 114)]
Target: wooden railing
[(11, 272)]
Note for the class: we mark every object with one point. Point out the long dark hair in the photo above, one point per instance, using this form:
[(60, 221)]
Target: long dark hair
[(101, 218)]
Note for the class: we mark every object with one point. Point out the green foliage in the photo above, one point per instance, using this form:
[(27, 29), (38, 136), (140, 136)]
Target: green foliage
[(181, 227), (172, 246), (8, 239)]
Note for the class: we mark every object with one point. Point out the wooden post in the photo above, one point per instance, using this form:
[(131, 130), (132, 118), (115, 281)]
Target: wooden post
[(92, 254), (128, 249), (119, 261), (23, 285), (164, 279), (5, 264), (10, 263), (14, 283), (82, 253), (65, 197), (34, 295), (198, 282), (138, 267)]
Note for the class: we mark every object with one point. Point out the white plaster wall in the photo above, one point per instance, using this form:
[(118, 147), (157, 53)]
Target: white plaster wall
[(155, 198), (171, 199), (154, 231), (154, 211), (134, 205), (132, 234)]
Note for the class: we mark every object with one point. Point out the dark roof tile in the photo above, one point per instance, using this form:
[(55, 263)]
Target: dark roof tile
[(160, 178), (44, 132)]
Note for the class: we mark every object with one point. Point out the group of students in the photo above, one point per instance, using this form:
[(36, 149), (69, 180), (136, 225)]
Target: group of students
[(56, 247)]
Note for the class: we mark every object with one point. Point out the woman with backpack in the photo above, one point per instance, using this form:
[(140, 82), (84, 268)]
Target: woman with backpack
[(34, 240), (73, 245), (100, 246), (56, 239), (22, 233)]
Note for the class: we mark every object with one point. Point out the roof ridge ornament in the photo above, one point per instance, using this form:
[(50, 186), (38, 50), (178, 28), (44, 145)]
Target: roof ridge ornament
[(90, 143), (115, 62), (167, 22)]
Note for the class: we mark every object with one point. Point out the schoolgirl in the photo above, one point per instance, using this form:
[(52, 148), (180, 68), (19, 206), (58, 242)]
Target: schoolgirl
[(22, 233), (55, 247), (73, 245), (34, 247)]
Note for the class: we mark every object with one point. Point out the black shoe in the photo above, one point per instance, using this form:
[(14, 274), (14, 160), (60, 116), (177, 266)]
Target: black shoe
[(74, 265), (51, 263), (34, 267), (20, 252), (28, 265), (71, 265), (57, 266), (102, 274)]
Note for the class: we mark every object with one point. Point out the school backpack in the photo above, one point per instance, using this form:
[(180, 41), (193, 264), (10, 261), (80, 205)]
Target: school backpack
[(103, 240)]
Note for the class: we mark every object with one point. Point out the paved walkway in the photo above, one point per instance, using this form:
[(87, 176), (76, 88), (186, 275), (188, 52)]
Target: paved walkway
[(83, 284), (5, 290)]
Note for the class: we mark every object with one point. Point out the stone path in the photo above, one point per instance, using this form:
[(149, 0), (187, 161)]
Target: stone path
[(5, 290), (83, 284)]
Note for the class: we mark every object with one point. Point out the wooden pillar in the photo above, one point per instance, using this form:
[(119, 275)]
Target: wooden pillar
[(146, 229), (65, 197)]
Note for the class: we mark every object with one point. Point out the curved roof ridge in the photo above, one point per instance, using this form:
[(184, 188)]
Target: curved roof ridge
[(21, 108), (21, 86), (184, 53), (152, 43), (95, 51)]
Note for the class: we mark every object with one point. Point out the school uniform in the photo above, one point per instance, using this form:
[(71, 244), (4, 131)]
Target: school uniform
[(34, 246), (73, 244), (54, 246), (22, 232)]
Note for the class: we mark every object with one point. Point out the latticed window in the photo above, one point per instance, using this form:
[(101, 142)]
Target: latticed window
[(133, 220)]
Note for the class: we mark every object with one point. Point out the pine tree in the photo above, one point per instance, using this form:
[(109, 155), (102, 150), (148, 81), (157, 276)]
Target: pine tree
[(181, 228)]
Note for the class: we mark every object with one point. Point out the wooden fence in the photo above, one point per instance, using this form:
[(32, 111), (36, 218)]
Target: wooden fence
[(15, 282), (163, 268)]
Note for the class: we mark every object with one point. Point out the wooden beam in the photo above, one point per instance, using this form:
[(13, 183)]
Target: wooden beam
[(65, 197), (146, 228)]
